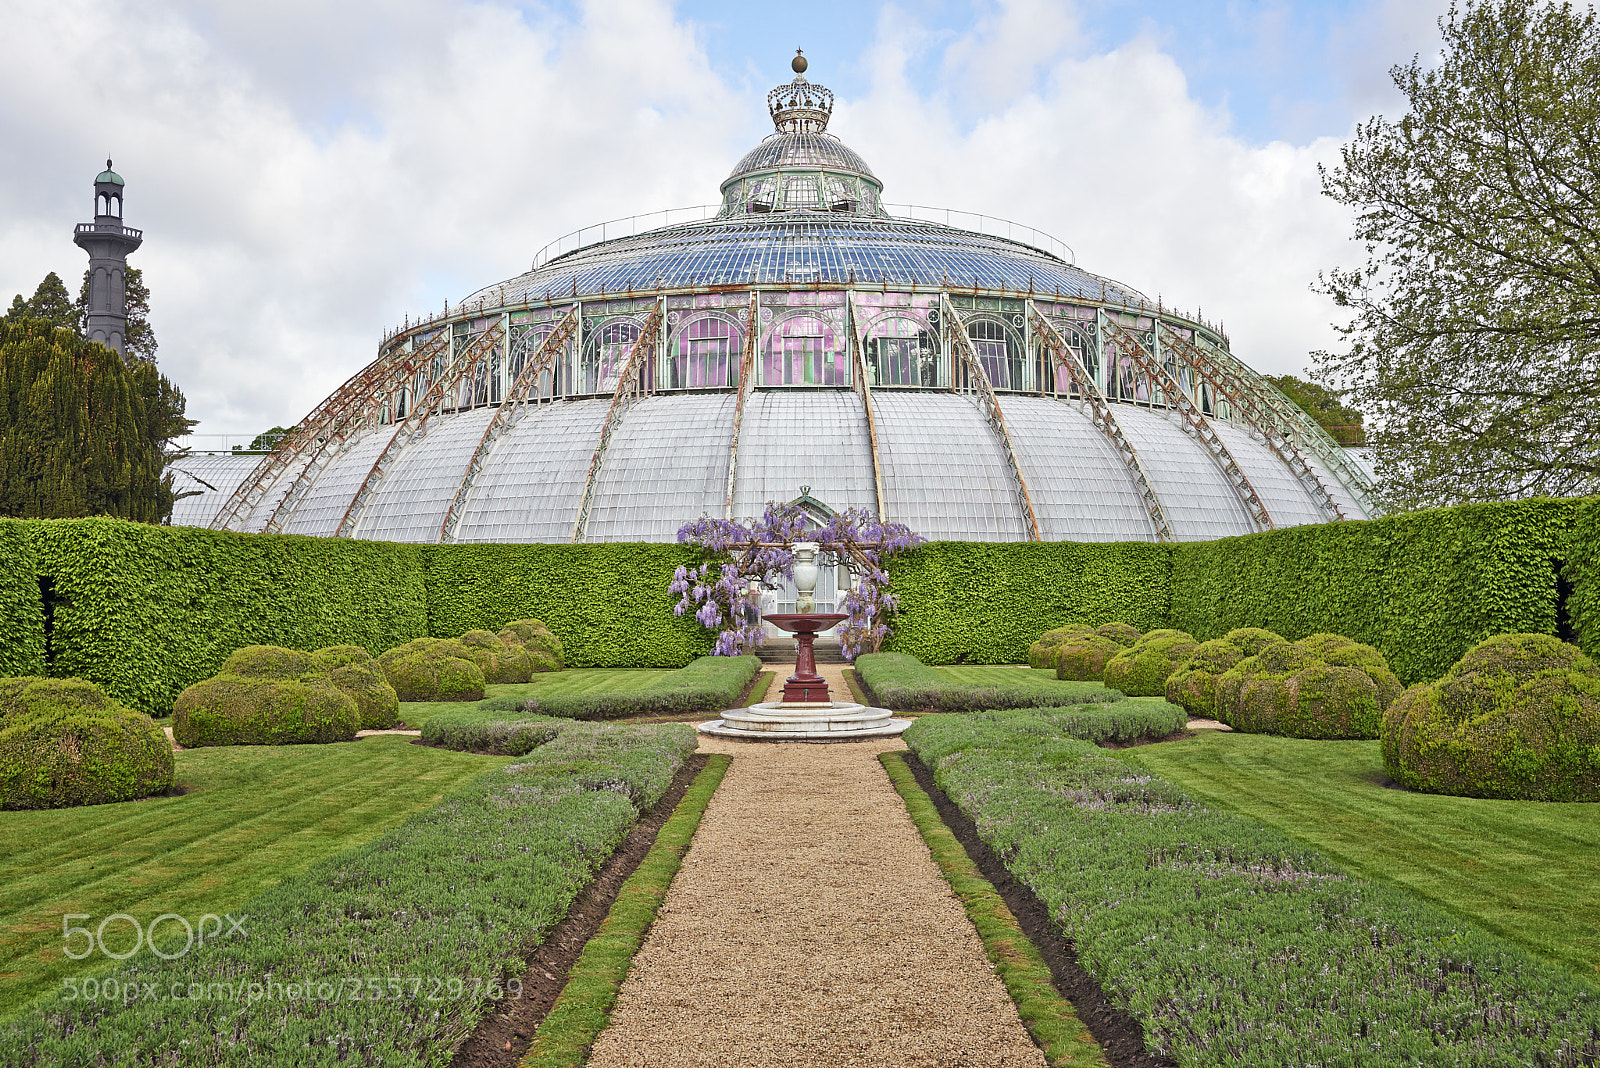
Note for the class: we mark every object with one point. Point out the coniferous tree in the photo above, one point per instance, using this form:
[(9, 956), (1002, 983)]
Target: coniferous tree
[(81, 433), (51, 303)]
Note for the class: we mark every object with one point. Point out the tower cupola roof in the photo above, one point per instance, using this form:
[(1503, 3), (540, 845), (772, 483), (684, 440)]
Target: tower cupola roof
[(108, 176)]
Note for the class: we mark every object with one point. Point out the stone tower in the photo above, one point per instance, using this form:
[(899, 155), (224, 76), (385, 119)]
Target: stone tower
[(108, 243)]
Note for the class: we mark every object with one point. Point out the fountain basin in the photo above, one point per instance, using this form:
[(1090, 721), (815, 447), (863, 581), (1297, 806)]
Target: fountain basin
[(814, 721)]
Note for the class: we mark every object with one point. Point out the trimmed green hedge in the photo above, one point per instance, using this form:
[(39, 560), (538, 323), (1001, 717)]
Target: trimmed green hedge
[(21, 608), (985, 603), (1583, 574), (146, 611), (1422, 587), (905, 684), (608, 604)]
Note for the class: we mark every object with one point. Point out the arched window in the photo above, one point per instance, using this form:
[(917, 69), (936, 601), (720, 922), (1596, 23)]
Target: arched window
[(901, 352), (800, 191), (999, 353), (759, 195), (606, 354), (804, 350), (704, 355)]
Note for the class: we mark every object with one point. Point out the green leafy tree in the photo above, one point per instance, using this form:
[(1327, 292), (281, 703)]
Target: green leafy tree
[(51, 303), (267, 440), (81, 432), (1474, 342), (1326, 406), (139, 339)]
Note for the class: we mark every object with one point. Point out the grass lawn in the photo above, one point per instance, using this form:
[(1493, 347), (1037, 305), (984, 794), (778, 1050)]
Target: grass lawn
[(1004, 675), (1526, 870), (254, 814), (573, 680)]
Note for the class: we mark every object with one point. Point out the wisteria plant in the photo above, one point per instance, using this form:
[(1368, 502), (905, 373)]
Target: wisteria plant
[(741, 560)]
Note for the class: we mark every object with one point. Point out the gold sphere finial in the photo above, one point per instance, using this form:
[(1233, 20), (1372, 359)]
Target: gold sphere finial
[(798, 63)]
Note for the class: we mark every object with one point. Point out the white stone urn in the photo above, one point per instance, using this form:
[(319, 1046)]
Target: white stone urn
[(805, 576)]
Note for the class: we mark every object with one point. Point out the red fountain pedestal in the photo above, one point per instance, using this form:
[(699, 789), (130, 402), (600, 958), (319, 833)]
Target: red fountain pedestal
[(805, 686)]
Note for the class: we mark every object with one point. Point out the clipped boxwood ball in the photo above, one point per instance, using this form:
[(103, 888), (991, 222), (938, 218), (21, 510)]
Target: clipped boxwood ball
[(356, 672), (1517, 717), (63, 742), (1042, 653), (1323, 686), (1194, 684), (433, 669), (270, 662), (499, 662), (1121, 633), (544, 648), (239, 710), (1083, 657), (1142, 669)]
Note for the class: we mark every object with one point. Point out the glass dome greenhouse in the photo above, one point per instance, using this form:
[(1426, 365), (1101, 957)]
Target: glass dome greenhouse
[(953, 372)]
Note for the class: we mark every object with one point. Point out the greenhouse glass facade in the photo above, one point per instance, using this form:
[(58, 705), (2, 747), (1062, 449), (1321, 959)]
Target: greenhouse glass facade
[(949, 371)]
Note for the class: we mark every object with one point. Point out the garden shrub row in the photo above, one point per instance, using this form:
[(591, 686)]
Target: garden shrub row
[(986, 602), (709, 684), (1231, 943), (1421, 587), (389, 953), (609, 604), (146, 611), (905, 684)]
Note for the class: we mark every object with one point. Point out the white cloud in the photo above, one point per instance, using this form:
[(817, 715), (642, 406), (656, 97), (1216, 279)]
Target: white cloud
[(307, 175)]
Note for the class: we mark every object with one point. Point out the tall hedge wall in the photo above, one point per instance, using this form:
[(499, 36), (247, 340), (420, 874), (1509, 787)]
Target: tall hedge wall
[(608, 604), (984, 603), (1422, 587), (1583, 575), (21, 610), (147, 610)]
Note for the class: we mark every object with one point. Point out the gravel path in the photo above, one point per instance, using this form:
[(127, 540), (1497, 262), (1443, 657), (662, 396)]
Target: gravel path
[(809, 926)]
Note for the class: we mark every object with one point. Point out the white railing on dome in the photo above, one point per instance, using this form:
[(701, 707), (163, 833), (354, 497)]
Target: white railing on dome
[(986, 224), (204, 443), (633, 224)]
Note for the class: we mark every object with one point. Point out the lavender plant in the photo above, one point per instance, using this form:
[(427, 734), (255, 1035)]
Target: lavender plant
[(741, 560)]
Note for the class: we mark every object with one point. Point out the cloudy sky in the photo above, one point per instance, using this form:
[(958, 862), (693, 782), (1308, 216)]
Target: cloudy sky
[(307, 173)]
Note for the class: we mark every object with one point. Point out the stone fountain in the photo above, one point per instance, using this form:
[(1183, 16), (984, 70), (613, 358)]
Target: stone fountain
[(807, 712)]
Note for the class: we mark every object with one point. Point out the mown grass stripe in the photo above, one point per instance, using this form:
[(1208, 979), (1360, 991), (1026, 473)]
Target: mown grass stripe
[(584, 1007), (1049, 1017)]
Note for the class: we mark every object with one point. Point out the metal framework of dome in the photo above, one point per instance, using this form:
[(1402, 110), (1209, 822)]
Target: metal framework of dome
[(950, 371)]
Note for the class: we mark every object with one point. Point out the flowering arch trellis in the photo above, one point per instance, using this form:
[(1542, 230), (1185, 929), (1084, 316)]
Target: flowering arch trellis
[(762, 552)]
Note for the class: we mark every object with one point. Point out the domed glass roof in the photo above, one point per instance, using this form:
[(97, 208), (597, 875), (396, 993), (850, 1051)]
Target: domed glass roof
[(822, 151), (973, 383)]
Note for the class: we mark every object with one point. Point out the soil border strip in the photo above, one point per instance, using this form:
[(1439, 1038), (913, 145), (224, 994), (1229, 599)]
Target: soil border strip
[(1049, 1018), (1120, 1036), (503, 1032), (584, 1007)]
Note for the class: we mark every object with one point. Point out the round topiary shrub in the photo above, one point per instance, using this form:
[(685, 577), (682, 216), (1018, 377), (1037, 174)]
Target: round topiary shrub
[(1121, 633), (271, 662), (1083, 657), (499, 662), (1324, 686), (544, 648), (63, 742), (356, 672), (1141, 669), (1194, 684), (433, 669), (241, 710), (1517, 717), (1043, 653)]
